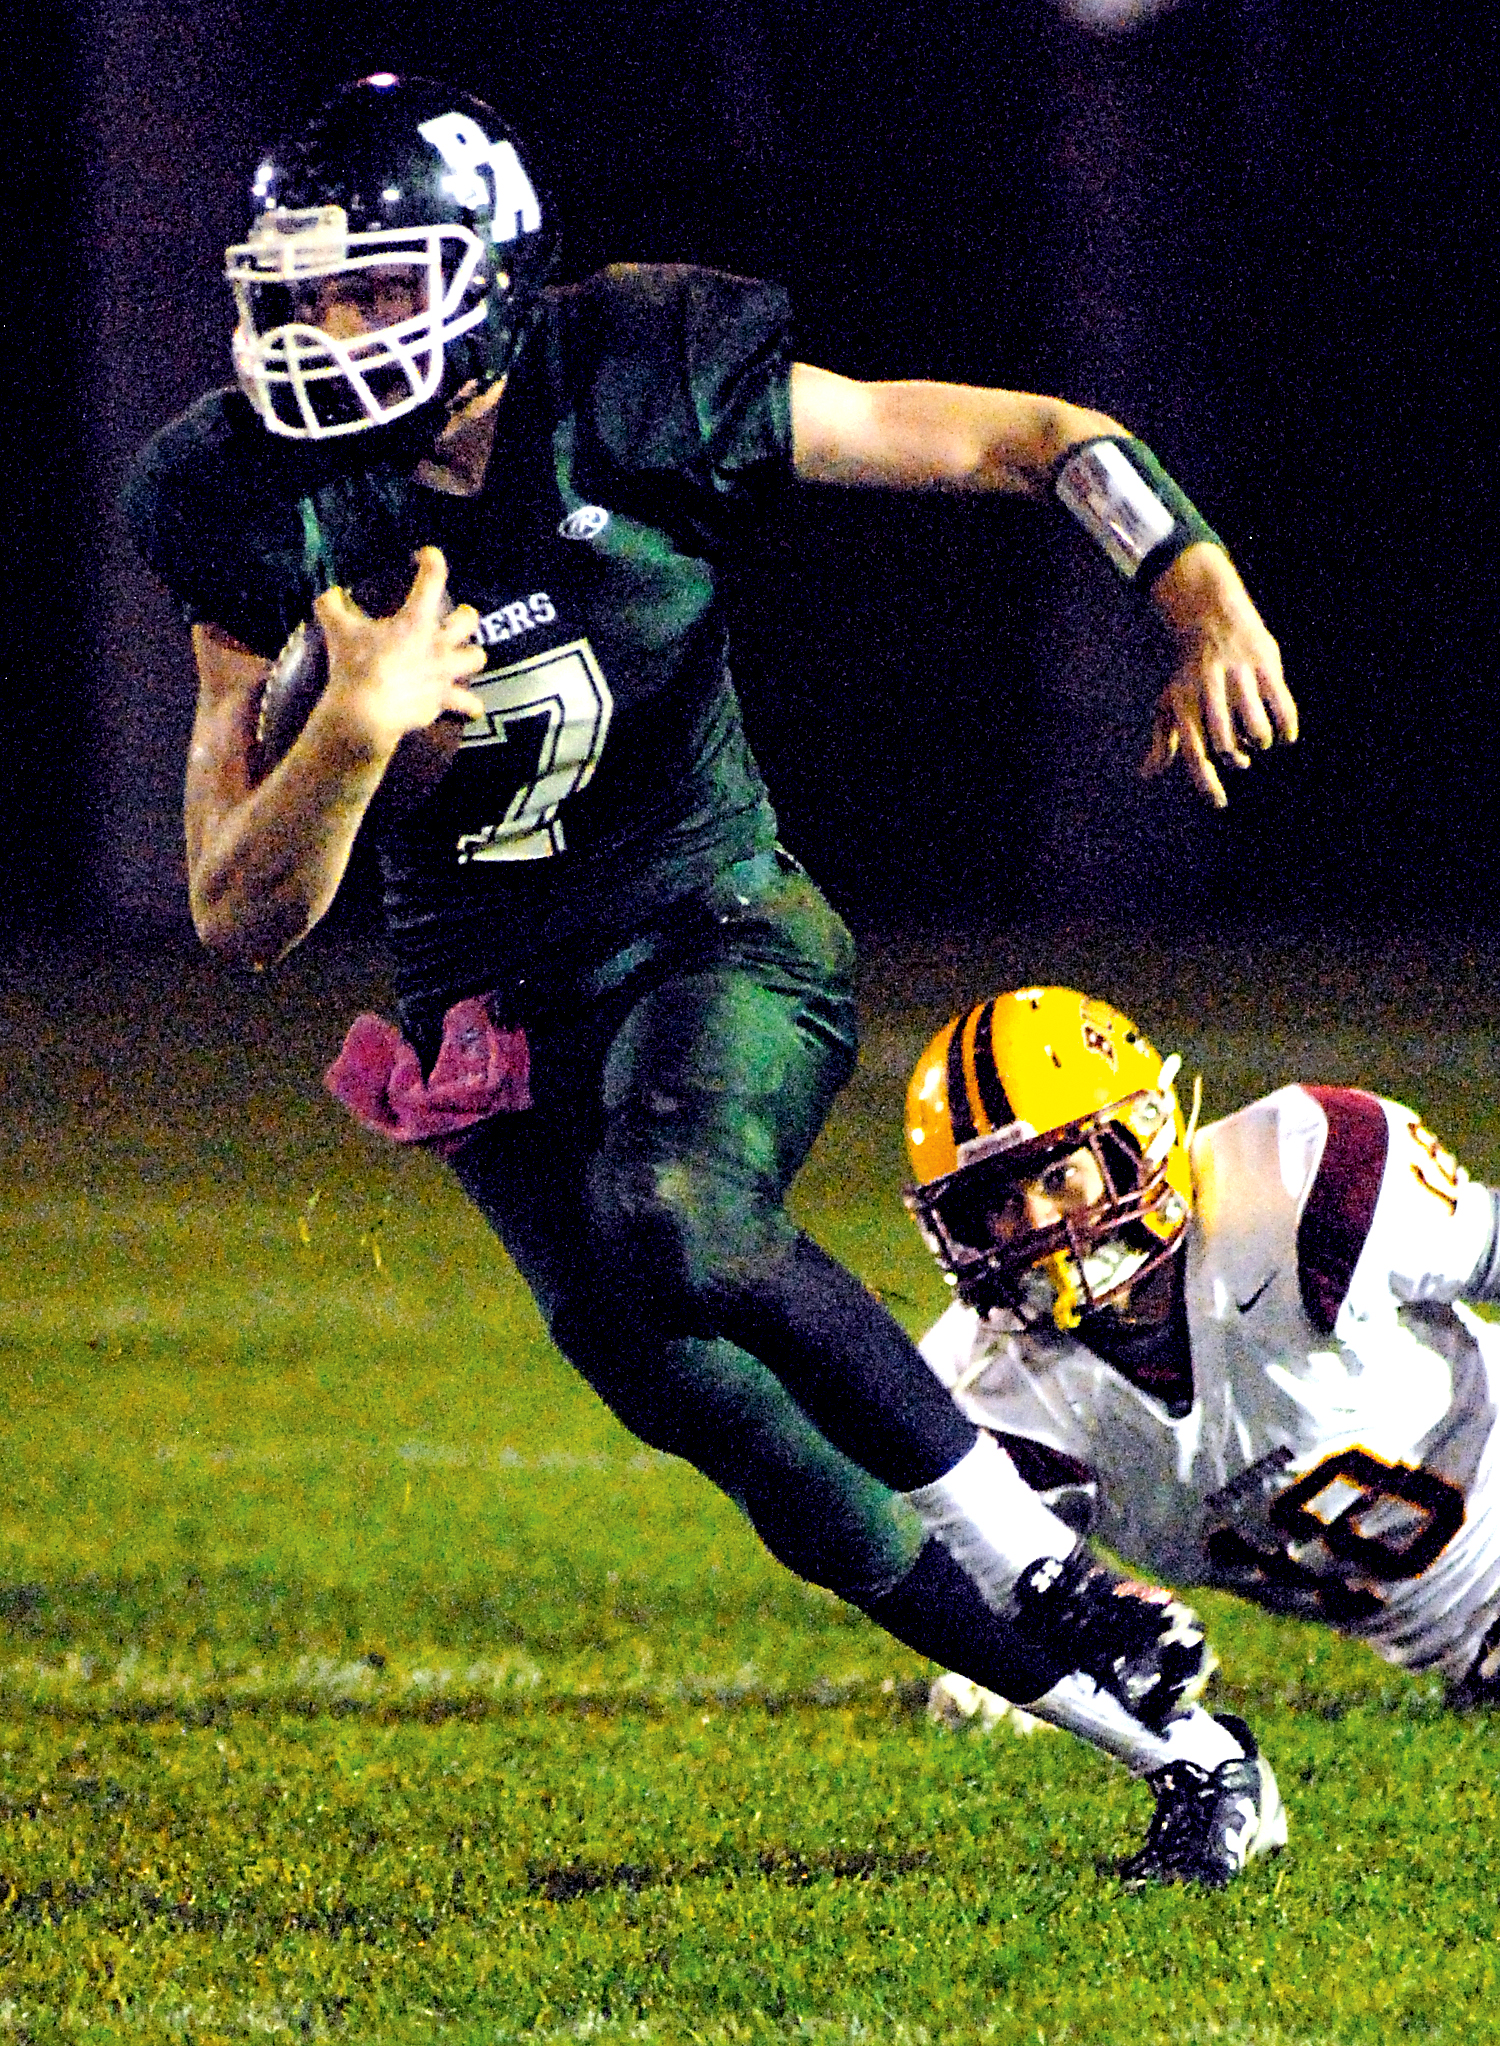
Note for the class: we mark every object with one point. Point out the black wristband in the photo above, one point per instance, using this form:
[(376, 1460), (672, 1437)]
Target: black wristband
[(1129, 506)]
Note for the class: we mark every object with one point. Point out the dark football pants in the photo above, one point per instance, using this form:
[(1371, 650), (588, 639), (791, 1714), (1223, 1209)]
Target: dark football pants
[(641, 1199)]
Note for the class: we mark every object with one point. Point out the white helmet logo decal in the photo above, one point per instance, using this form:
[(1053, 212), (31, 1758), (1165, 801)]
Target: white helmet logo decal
[(466, 149), (587, 523)]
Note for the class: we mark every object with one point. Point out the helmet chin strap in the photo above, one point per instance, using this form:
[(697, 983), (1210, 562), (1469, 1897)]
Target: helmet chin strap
[(1106, 1267), (399, 443)]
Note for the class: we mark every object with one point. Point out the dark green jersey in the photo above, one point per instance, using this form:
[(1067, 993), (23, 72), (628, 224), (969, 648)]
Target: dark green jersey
[(610, 776)]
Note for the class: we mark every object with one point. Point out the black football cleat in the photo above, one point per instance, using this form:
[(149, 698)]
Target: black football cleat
[(1135, 1640), (1209, 1822)]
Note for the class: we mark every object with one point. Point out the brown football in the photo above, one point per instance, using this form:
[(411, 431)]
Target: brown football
[(299, 675)]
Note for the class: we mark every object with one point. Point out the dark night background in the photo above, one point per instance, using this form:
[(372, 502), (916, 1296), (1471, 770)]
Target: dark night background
[(1250, 228)]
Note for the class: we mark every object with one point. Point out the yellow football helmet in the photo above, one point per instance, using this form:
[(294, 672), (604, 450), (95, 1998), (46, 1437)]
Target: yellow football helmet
[(1022, 1080)]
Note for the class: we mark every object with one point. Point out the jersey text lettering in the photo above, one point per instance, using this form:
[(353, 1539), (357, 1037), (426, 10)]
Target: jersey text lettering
[(511, 620)]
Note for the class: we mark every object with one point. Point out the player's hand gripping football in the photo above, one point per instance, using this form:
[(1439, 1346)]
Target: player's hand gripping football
[(1226, 699), (391, 676)]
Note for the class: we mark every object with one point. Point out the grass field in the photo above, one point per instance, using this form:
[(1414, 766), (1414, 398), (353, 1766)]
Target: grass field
[(360, 1677)]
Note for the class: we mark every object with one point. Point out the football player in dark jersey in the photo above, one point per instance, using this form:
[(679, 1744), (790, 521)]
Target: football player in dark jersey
[(624, 1011)]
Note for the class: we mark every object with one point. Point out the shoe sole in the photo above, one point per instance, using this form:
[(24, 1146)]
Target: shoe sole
[(1270, 1832)]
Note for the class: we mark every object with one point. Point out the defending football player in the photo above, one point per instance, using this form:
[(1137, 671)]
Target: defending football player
[(624, 1011), (1239, 1355)]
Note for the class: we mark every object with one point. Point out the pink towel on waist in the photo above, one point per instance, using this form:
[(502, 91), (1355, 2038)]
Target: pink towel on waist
[(480, 1072)]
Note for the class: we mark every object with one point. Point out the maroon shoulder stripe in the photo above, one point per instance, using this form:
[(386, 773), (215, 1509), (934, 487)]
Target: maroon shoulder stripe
[(1336, 1221)]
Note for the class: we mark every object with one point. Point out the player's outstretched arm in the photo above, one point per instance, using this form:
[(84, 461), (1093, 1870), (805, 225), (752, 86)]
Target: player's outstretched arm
[(1226, 698), (265, 857)]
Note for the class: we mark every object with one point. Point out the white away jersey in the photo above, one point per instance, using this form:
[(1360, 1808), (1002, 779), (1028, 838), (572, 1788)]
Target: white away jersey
[(1339, 1457)]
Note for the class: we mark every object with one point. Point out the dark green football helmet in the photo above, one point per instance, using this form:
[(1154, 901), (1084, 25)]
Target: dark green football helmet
[(397, 241)]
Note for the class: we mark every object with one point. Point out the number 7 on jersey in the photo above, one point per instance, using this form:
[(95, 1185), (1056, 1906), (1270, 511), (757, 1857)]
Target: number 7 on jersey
[(554, 710)]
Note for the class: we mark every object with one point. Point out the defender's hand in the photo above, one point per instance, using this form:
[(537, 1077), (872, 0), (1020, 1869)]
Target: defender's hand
[(1226, 698), (391, 676)]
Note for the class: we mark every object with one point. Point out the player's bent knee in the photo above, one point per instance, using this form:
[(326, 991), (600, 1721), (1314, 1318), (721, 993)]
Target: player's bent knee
[(676, 1242)]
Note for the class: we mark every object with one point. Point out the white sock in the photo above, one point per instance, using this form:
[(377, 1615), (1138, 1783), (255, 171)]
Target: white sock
[(1077, 1704), (991, 1523)]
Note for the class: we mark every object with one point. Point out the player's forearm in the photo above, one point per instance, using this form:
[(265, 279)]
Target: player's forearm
[(263, 872), (1202, 575), (1203, 588)]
